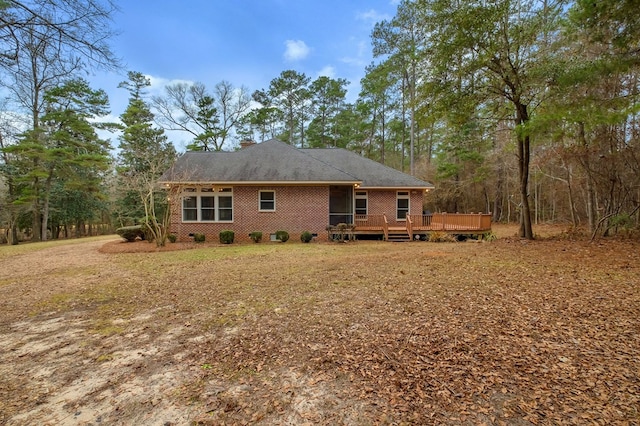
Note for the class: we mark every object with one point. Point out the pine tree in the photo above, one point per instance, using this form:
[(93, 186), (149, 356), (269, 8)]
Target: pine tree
[(145, 153), (64, 151)]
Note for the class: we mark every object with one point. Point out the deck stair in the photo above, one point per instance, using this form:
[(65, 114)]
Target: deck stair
[(397, 234)]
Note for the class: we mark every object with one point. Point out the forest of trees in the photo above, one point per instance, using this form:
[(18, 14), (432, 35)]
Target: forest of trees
[(527, 109)]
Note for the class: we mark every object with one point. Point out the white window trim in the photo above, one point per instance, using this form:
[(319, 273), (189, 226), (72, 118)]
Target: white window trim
[(186, 195), (361, 197), (403, 195), (200, 208), (198, 193), (260, 192)]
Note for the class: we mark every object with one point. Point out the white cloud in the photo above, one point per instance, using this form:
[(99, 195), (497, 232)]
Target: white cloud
[(327, 71), (360, 58), (158, 84), (372, 16), (296, 50)]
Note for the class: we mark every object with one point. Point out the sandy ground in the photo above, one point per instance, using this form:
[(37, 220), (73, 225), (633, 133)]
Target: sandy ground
[(65, 369), (104, 332)]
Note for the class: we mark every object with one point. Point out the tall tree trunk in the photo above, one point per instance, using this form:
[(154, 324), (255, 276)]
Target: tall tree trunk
[(45, 206), (524, 152), (12, 232), (591, 193), (382, 140), (45, 219), (12, 229), (412, 111), (404, 120), (497, 197), (36, 222), (35, 116), (572, 205)]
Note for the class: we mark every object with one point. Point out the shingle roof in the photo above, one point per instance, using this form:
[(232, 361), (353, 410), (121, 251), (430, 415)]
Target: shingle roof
[(371, 173), (274, 161)]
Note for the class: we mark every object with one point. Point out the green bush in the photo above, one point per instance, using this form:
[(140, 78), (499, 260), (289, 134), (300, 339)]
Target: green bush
[(198, 238), (130, 233), (148, 235), (256, 236), (226, 237), (282, 236), (172, 238), (489, 236), (306, 236)]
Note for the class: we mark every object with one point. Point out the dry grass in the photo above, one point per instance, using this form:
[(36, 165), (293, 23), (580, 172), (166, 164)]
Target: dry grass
[(508, 332)]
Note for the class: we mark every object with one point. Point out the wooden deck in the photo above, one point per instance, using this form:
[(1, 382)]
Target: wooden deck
[(416, 225)]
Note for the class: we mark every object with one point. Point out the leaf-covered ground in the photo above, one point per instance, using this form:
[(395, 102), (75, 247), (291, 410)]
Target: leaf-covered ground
[(508, 332)]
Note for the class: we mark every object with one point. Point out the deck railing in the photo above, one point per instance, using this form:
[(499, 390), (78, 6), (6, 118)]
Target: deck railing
[(372, 222), (451, 222), (369, 221), (418, 223), (409, 223)]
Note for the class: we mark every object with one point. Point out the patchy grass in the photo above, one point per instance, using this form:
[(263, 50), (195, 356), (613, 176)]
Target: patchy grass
[(506, 332), (7, 250)]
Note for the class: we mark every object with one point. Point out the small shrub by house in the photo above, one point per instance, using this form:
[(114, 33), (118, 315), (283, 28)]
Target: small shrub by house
[(227, 236), (130, 233), (282, 236)]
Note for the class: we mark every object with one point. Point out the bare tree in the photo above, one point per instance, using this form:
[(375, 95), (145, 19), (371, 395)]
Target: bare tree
[(77, 27), (209, 117), (43, 43), (151, 196)]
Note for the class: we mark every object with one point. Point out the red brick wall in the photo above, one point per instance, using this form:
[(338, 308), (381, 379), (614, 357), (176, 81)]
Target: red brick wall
[(298, 209), (384, 202)]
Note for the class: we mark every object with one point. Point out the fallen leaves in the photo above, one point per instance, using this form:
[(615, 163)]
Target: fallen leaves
[(537, 348), (370, 333)]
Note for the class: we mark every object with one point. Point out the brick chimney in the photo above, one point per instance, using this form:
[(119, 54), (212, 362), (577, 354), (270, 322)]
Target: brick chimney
[(245, 143)]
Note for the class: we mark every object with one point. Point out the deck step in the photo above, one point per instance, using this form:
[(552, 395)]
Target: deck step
[(398, 237)]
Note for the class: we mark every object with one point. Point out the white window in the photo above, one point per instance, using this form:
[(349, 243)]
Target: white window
[(189, 208), (267, 201), (207, 208), (225, 208), (402, 205), (207, 205), (361, 202)]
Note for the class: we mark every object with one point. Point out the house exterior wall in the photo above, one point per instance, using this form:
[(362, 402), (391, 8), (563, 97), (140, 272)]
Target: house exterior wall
[(384, 202), (298, 209)]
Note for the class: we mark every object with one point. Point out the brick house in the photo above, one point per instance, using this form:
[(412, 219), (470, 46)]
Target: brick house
[(273, 186)]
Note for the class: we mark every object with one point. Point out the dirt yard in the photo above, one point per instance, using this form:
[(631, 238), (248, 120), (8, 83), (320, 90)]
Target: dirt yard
[(362, 333)]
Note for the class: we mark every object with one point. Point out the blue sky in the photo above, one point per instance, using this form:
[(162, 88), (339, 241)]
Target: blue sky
[(245, 42)]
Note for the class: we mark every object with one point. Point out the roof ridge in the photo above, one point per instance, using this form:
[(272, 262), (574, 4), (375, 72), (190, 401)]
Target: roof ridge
[(325, 163), (301, 151)]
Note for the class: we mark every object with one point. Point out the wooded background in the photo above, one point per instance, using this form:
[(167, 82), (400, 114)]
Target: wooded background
[(527, 109)]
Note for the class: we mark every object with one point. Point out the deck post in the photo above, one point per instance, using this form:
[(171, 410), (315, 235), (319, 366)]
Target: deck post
[(385, 227)]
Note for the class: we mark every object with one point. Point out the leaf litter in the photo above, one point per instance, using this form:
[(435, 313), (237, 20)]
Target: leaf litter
[(508, 332)]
